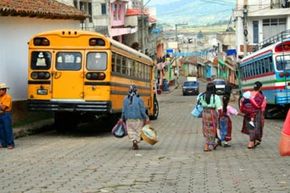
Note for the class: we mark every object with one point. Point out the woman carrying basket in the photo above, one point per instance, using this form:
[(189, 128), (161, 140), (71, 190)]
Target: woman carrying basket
[(134, 114)]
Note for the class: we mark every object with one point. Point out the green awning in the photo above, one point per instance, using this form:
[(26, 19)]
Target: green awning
[(222, 63)]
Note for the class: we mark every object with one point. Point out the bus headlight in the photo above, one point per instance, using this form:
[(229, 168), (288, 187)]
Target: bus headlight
[(42, 91)]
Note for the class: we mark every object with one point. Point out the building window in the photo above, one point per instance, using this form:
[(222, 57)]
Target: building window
[(273, 26), (86, 7), (255, 32), (104, 9)]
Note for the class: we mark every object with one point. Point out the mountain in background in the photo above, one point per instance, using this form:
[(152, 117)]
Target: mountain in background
[(194, 12)]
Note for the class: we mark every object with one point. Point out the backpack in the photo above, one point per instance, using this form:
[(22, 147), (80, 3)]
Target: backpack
[(225, 127)]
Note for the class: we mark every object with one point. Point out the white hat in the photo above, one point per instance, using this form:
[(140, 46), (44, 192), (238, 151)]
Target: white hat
[(3, 85)]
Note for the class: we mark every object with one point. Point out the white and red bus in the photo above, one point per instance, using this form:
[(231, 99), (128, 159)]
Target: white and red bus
[(271, 66)]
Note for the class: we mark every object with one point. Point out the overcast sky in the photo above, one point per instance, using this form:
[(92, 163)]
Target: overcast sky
[(155, 2)]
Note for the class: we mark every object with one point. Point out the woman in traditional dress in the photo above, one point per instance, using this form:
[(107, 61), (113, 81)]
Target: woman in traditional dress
[(211, 104), (134, 114), (253, 106)]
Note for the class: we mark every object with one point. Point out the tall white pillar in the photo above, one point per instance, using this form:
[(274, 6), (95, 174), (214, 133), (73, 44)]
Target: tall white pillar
[(239, 35)]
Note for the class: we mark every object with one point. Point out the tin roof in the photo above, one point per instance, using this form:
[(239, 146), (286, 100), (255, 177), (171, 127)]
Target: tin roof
[(40, 8)]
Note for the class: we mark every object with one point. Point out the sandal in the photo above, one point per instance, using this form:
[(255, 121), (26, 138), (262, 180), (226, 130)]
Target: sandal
[(257, 143), (206, 148), (135, 145)]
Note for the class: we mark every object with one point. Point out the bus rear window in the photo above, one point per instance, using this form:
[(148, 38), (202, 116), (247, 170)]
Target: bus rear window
[(68, 61), (40, 60), (96, 61)]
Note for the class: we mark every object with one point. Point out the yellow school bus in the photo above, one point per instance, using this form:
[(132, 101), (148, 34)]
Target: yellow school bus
[(79, 74)]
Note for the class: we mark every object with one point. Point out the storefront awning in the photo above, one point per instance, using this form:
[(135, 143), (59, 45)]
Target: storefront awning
[(222, 63)]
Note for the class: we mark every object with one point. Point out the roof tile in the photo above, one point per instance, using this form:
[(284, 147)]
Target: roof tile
[(39, 8)]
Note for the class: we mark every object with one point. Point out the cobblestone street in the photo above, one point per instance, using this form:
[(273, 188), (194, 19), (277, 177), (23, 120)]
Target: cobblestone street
[(98, 162)]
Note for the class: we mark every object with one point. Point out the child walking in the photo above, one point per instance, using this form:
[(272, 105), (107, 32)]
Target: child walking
[(224, 132)]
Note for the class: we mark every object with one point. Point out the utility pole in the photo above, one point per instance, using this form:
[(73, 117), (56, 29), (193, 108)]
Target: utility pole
[(142, 27), (245, 24)]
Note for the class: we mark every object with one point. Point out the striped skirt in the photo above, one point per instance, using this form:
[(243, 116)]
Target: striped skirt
[(209, 125), (134, 127), (255, 133)]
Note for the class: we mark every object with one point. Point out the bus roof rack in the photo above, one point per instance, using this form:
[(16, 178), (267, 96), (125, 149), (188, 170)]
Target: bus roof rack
[(280, 37)]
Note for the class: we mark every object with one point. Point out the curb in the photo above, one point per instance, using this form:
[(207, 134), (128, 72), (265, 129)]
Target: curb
[(34, 127)]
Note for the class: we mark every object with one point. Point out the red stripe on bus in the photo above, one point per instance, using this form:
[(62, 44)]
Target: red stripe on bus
[(256, 55), (259, 76), (267, 88)]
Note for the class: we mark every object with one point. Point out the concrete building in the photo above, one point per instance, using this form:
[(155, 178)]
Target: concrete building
[(126, 21), (258, 20)]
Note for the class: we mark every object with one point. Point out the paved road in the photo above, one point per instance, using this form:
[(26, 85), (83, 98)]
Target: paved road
[(91, 162)]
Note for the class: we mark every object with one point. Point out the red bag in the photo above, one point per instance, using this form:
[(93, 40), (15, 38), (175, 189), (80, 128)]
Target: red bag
[(284, 145)]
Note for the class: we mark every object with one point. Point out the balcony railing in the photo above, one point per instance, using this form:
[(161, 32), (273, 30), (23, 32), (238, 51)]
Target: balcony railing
[(274, 39)]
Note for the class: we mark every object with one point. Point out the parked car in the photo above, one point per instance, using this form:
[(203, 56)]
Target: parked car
[(220, 86), (190, 88)]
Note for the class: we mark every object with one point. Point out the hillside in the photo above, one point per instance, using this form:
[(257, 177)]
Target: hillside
[(194, 12)]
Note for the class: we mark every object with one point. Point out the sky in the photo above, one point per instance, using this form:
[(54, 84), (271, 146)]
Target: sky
[(160, 2)]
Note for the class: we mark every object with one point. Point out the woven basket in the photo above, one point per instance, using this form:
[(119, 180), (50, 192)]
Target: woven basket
[(151, 139)]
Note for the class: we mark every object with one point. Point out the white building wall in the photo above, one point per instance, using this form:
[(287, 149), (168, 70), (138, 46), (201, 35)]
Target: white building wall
[(15, 32)]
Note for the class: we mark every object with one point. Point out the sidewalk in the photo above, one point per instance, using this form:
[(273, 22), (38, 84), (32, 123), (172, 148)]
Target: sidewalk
[(31, 128)]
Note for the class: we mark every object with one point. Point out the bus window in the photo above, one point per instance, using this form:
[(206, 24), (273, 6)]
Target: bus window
[(271, 63), (266, 64), (118, 63), (96, 61), (124, 65), (251, 69), (113, 62), (134, 68), (40, 60), (129, 69), (282, 61), (255, 67), (68, 61)]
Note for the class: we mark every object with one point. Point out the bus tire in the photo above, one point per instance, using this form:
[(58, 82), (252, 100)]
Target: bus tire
[(155, 110)]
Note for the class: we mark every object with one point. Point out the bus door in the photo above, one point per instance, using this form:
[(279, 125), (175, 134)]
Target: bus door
[(68, 75)]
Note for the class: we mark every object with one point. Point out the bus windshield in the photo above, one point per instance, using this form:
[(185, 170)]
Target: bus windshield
[(283, 62)]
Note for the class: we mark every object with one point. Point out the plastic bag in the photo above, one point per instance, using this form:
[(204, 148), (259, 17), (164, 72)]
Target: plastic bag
[(119, 130), (197, 111)]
